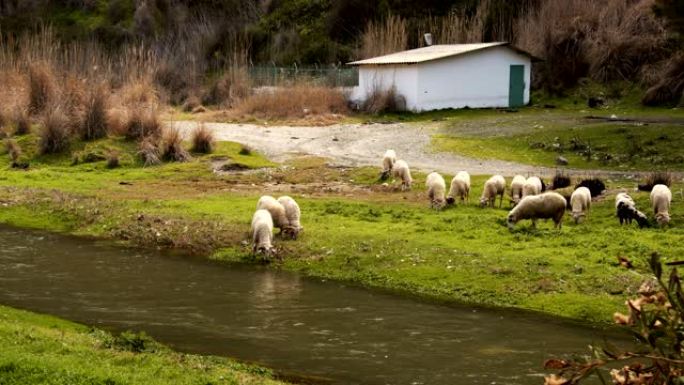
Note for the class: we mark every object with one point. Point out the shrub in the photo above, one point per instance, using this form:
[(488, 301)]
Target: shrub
[(669, 89), (54, 135), (229, 89), (380, 101), (112, 159), (148, 150), (172, 146), (294, 102), (595, 186), (203, 139), (142, 123), (560, 180), (22, 122), (245, 150), (15, 153), (191, 103), (41, 87), (135, 342), (95, 121), (654, 178)]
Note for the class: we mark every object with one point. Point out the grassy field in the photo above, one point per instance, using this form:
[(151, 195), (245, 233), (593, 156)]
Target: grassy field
[(355, 229), (40, 349)]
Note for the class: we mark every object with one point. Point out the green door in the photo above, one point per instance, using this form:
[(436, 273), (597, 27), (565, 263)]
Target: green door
[(516, 88)]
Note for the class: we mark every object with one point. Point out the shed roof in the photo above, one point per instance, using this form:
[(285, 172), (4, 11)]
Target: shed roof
[(432, 52)]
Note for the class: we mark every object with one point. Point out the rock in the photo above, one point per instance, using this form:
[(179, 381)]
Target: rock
[(561, 161), (613, 117), (334, 139)]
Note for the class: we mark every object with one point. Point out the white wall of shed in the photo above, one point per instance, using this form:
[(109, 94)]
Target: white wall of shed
[(403, 77), (476, 80)]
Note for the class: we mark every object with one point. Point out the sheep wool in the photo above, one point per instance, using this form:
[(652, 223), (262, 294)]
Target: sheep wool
[(532, 186), (547, 205), (401, 171), (436, 188), (626, 210), (460, 187), (262, 232), (496, 185), (517, 189), (276, 209), (388, 160), (661, 197), (293, 214), (580, 202)]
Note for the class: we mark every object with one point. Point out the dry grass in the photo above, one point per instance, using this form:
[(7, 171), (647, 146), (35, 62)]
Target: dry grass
[(380, 101), (172, 146), (142, 123), (203, 139), (112, 159), (295, 102), (94, 124), (42, 87), (654, 178), (14, 151), (54, 134), (228, 90), (22, 122), (148, 150), (668, 88), (383, 37)]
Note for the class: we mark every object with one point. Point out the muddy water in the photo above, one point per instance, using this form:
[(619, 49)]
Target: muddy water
[(322, 329)]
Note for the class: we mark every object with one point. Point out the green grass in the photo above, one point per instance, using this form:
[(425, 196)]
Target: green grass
[(40, 349)]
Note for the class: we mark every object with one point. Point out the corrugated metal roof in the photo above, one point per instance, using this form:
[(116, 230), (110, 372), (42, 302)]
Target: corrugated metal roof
[(432, 52)]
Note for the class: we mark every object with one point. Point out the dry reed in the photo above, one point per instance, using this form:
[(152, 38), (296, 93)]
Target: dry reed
[(294, 102), (55, 133), (203, 139)]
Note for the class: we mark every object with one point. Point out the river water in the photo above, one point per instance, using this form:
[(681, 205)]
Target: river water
[(325, 330)]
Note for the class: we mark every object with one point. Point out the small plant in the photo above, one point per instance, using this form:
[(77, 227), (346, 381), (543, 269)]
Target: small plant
[(595, 186), (245, 150), (148, 150), (560, 180), (95, 121), (22, 122), (203, 140), (654, 178), (134, 342), (54, 135), (112, 159), (15, 153), (380, 101), (142, 123), (656, 320), (172, 146)]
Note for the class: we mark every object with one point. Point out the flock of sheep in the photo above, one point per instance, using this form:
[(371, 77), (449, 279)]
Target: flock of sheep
[(527, 195)]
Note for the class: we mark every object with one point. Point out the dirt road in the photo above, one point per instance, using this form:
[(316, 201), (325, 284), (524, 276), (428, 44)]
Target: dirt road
[(364, 145)]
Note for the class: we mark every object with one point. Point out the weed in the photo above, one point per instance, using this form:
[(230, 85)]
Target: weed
[(203, 139), (142, 123), (42, 87), (54, 133), (95, 120), (654, 178), (148, 150), (112, 159), (172, 146), (15, 154)]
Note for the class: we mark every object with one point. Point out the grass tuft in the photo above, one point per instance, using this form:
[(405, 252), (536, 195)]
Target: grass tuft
[(42, 87), (148, 150), (203, 140), (560, 180), (654, 178), (55, 134), (142, 123), (172, 146), (113, 159), (95, 120)]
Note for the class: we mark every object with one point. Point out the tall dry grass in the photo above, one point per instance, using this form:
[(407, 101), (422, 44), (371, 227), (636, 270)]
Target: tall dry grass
[(54, 136), (95, 121), (384, 37), (294, 102)]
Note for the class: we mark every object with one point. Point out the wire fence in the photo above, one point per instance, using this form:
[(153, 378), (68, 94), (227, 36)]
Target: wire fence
[(271, 76)]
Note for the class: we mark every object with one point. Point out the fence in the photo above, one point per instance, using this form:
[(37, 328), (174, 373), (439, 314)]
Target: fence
[(271, 76)]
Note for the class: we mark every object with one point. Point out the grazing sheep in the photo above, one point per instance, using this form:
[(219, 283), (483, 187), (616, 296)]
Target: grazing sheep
[(595, 185), (387, 163), (293, 214), (401, 170), (276, 209), (532, 186), (547, 205), (661, 196), (626, 210), (580, 201), (517, 189), (460, 188), (436, 189), (496, 185), (262, 233)]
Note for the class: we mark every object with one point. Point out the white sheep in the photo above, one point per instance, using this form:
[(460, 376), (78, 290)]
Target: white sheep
[(293, 214), (388, 162), (276, 209), (626, 210), (661, 197), (496, 185), (436, 188), (548, 205), (532, 186), (262, 233), (580, 202), (517, 189), (460, 188), (401, 171)]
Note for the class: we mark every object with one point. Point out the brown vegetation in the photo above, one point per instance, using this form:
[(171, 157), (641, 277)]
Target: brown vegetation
[(142, 123), (42, 87), (654, 178), (54, 133), (384, 37), (22, 122), (172, 146), (148, 150), (112, 159), (95, 122), (380, 101), (203, 139), (298, 101), (15, 153)]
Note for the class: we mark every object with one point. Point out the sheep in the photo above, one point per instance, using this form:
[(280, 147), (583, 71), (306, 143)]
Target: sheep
[(517, 189), (436, 189), (276, 209), (401, 170), (293, 214), (532, 186), (262, 233), (580, 202), (496, 185), (387, 163), (626, 210), (460, 187), (543, 206), (661, 196)]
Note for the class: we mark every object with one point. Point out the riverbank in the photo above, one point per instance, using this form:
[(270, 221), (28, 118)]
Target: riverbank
[(356, 230), (47, 350)]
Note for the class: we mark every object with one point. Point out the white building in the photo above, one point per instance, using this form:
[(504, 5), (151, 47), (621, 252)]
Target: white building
[(450, 76)]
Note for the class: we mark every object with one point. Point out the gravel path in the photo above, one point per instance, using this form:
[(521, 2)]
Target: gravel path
[(365, 144)]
